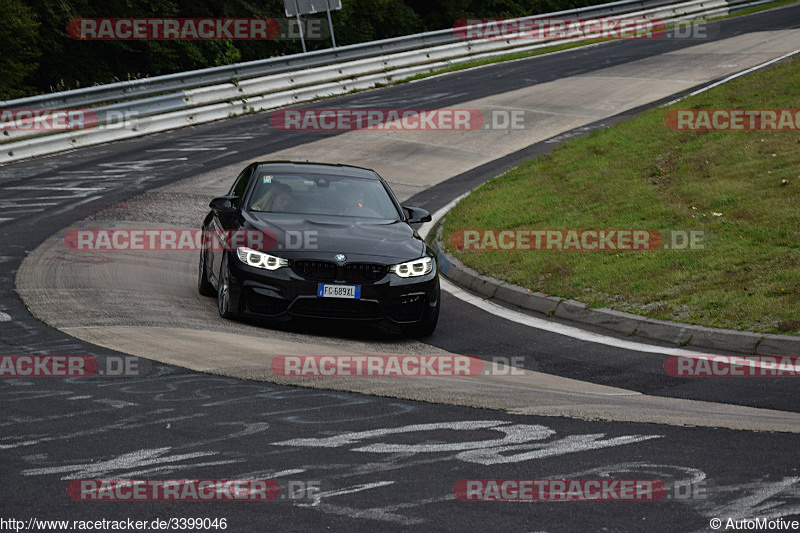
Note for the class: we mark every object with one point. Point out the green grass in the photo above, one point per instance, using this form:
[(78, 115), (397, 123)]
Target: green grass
[(640, 174), (756, 9)]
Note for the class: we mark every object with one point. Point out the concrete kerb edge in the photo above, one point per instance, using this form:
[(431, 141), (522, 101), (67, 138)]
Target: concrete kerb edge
[(616, 321)]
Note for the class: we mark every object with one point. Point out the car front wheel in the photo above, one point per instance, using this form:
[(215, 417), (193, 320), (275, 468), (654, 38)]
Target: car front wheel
[(204, 286), (224, 292)]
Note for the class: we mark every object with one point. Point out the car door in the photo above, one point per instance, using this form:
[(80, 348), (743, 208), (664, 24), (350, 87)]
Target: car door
[(223, 223)]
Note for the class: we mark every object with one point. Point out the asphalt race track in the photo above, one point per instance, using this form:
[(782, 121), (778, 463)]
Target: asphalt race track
[(383, 455)]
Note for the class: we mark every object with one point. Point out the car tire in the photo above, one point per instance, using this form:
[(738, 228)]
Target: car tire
[(426, 325), (224, 291), (204, 286)]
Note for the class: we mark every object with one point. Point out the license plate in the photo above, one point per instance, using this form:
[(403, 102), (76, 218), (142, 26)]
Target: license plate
[(339, 291)]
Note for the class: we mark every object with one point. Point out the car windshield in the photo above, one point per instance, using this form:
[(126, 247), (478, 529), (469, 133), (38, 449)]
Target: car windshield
[(316, 194)]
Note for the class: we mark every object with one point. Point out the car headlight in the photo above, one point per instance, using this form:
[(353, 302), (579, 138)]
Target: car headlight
[(260, 259), (411, 269)]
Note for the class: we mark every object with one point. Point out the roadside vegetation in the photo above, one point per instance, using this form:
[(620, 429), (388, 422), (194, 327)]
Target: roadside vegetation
[(742, 189), (40, 57)]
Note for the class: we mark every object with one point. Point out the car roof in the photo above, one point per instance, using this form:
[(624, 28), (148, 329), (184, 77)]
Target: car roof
[(316, 168)]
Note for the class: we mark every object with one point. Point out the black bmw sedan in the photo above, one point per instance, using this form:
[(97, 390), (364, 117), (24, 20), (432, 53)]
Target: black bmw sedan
[(319, 241)]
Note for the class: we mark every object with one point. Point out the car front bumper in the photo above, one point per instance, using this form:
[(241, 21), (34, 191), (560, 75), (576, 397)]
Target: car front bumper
[(282, 293)]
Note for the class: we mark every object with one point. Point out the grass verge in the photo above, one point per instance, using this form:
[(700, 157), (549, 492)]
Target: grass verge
[(742, 188)]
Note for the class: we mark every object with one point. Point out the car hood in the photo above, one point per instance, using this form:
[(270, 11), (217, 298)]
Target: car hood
[(322, 237)]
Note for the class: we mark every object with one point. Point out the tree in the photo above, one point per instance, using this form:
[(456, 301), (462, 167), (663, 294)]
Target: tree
[(19, 34), (44, 58)]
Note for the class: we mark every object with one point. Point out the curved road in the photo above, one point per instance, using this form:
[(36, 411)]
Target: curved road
[(177, 423)]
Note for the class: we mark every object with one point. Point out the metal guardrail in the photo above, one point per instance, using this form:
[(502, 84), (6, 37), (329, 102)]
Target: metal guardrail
[(126, 90), (278, 82)]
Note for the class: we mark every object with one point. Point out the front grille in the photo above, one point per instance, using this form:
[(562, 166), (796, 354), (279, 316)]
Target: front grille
[(337, 308), (363, 272), (315, 270), (349, 273)]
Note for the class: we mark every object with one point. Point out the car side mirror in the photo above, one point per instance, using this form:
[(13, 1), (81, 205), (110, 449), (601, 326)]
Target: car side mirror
[(417, 215), (223, 204)]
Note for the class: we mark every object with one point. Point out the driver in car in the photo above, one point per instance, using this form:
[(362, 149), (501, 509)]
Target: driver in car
[(277, 200)]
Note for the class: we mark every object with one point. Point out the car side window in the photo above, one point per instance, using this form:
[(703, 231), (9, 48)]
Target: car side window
[(240, 185)]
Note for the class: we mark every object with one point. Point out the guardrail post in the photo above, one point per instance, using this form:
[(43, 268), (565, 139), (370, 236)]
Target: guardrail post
[(330, 22), (300, 25)]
